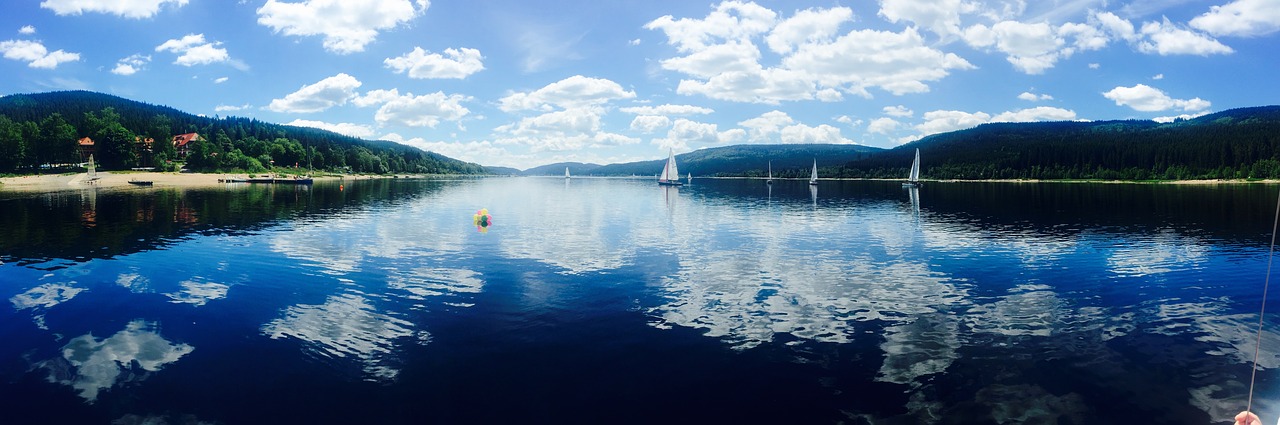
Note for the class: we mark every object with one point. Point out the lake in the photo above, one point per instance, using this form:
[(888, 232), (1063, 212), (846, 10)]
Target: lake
[(618, 301)]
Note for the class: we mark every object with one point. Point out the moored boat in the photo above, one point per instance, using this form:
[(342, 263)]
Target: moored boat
[(670, 175), (913, 178)]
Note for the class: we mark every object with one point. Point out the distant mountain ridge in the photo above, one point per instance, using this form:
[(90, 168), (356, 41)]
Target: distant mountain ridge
[(746, 160), (557, 169), (1233, 144), (1242, 143)]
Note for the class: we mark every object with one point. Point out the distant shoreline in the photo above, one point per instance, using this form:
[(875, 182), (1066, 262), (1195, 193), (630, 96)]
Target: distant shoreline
[(62, 182), (1065, 181)]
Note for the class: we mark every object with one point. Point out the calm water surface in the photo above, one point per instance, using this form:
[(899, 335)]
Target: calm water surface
[(617, 301)]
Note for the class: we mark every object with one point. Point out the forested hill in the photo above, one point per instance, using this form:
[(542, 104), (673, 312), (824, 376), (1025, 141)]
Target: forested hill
[(748, 160), (42, 128), (1234, 144), (557, 169)]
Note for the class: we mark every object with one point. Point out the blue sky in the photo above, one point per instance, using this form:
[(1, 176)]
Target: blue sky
[(521, 83)]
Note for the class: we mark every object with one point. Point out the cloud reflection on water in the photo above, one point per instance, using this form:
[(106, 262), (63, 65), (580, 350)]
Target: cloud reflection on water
[(1163, 252), (90, 365), (198, 293), (45, 296), (924, 346), (423, 282), (399, 252), (346, 325), (814, 300), (750, 271)]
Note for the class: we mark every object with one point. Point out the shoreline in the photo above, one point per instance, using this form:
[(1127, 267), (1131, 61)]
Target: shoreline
[(80, 181), (64, 182)]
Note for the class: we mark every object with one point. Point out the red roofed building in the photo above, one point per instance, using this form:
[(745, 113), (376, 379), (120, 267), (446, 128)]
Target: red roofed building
[(86, 147), (182, 143)]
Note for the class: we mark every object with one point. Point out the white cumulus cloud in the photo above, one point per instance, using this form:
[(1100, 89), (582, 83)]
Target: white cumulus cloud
[(817, 59), (131, 64), (1166, 38), (27, 30), (323, 94), (883, 125), (1032, 97), (35, 54), (458, 64), (473, 151), (375, 97), (422, 111), (1170, 119), (1245, 18), (731, 20), (650, 123), (667, 109), (898, 111), (684, 133), (1145, 98), (1035, 47), (347, 26), (349, 129), (807, 26), (192, 49), (1039, 113), (1163, 38), (942, 121), (766, 126), (135, 9), (572, 92), (567, 130), (803, 134), (942, 17)]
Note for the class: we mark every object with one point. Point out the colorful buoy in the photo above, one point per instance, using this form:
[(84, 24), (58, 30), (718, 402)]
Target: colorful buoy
[(482, 220)]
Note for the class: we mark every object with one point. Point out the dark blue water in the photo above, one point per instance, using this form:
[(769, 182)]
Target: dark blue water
[(617, 301)]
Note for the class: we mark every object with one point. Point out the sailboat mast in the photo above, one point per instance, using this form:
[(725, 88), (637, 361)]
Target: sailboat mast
[(915, 167)]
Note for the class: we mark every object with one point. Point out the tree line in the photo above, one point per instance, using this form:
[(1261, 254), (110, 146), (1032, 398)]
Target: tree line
[(1235, 144), (40, 131)]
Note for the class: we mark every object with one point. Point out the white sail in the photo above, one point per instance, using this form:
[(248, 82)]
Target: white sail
[(566, 172), (770, 180), (670, 174), (813, 177), (93, 169), (915, 169), (671, 166)]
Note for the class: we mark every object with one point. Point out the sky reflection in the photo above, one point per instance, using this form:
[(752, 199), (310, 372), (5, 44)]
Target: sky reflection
[(347, 326), (866, 302), (90, 365), (198, 293)]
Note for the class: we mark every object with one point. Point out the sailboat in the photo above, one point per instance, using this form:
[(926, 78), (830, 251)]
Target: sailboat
[(813, 177), (93, 171), (770, 179), (670, 175), (566, 172), (913, 179), (690, 178)]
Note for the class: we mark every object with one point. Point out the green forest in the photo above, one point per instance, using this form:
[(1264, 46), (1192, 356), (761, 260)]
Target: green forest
[(1235, 144), (39, 133)]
